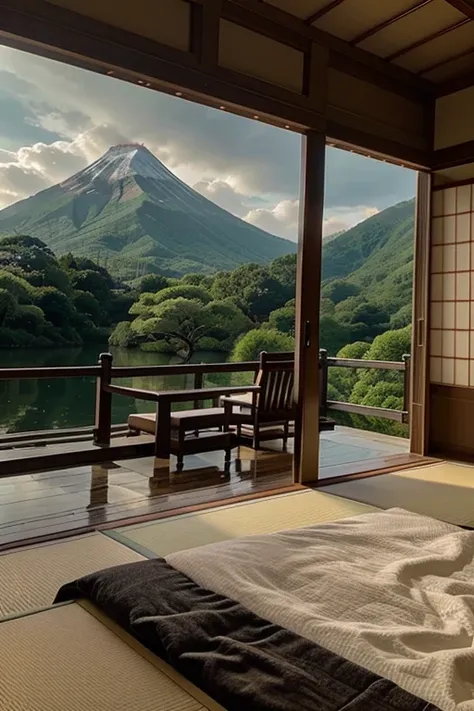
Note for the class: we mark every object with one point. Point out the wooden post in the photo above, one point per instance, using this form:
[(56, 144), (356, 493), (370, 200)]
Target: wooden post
[(103, 402), (308, 294), (163, 429), (407, 386), (323, 382), (419, 390), (198, 381)]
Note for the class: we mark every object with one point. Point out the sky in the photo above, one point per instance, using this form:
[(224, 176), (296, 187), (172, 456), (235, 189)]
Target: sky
[(56, 119)]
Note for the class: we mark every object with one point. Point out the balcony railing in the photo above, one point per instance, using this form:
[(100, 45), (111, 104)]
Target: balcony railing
[(105, 373)]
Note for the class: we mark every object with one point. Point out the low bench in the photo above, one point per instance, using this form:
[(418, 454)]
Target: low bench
[(191, 432)]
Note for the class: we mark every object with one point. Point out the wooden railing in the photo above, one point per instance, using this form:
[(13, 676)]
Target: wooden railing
[(404, 366), (105, 373)]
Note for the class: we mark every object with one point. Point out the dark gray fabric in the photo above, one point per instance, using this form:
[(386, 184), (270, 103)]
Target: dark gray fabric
[(239, 659)]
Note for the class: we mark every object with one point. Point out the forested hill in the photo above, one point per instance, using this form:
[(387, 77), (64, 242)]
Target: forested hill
[(377, 257)]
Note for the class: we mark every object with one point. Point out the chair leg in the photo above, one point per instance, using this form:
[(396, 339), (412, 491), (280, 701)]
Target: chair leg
[(180, 463), (286, 428)]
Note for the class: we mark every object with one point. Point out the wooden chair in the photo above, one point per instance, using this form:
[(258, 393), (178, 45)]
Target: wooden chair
[(268, 412)]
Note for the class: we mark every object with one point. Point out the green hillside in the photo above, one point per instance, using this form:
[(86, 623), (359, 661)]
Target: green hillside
[(376, 256)]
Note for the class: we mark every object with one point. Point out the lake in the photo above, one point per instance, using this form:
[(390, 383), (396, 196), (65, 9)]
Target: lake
[(69, 402)]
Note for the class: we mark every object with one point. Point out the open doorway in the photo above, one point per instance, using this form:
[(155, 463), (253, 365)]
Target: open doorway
[(366, 313)]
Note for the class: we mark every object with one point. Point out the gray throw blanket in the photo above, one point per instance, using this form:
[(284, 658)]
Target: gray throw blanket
[(235, 656)]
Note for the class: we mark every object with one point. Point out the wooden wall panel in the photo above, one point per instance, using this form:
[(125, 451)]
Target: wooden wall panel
[(451, 334), (364, 106), (251, 53), (166, 21), (452, 421), (454, 118)]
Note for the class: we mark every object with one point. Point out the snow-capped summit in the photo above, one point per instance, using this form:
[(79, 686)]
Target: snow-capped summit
[(118, 163)]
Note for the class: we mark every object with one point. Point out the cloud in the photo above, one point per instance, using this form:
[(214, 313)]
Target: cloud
[(343, 218), (224, 195), (281, 220)]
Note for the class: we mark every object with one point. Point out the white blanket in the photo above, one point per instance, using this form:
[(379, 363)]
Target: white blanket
[(390, 591)]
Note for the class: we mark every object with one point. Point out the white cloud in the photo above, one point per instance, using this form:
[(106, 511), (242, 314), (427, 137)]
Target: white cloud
[(281, 220), (224, 195), (343, 218)]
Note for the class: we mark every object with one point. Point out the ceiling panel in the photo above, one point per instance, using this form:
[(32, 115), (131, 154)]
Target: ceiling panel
[(168, 22), (458, 67), (431, 18), (353, 17), (444, 47), (300, 8)]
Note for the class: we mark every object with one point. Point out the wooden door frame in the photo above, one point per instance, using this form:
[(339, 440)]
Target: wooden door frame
[(308, 295), (419, 387)]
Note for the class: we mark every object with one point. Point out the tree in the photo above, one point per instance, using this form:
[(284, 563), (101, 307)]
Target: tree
[(27, 242), (55, 305), (18, 287), (402, 318), (224, 322), (283, 320), (366, 320), (283, 269), (123, 337), (87, 304), (183, 291), (198, 280), (383, 388), (228, 284), (326, 308), (332, 335), (249, 346), (153, 283), (342, 380), (179, 322), (338, 290), (7, 306), (93, 282), (263, 297)]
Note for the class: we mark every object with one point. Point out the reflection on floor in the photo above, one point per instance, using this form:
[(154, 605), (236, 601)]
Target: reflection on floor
[(48, 503), (347, 451)]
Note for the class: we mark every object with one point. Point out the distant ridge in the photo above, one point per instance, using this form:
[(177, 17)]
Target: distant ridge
[(133, 214)]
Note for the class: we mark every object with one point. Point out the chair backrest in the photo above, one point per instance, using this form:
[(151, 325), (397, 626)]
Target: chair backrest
[(276, 380)]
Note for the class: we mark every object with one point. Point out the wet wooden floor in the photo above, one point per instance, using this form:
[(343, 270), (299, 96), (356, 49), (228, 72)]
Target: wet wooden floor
[(59, 502)]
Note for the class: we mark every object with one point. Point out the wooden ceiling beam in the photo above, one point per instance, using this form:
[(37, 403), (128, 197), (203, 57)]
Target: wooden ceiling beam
[(464, 6), (383, 73), (323, 11), (448, 60), (450, 86), (387, 23), (425, 40)]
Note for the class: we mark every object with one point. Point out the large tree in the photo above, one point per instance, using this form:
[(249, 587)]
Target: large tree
[(254, 342)]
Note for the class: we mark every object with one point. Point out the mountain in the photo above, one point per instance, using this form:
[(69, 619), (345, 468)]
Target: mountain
[(377, 256), (128, 211)]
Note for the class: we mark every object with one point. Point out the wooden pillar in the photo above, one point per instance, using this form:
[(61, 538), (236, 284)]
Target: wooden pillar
[(419, 406), (308, 291), (103, 402)]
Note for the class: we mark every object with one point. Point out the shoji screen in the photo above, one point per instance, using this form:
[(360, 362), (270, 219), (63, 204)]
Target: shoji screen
[(452, 287)]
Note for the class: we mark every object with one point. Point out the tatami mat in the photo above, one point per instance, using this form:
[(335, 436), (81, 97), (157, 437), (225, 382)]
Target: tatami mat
[(65, 659), (268, 515), (444, 491), (30, 578)]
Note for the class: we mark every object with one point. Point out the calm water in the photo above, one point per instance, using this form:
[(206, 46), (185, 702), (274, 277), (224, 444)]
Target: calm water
[(47, 404)]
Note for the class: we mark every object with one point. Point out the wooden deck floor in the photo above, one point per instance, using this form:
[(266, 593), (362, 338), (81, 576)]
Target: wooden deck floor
[(48, 503)]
